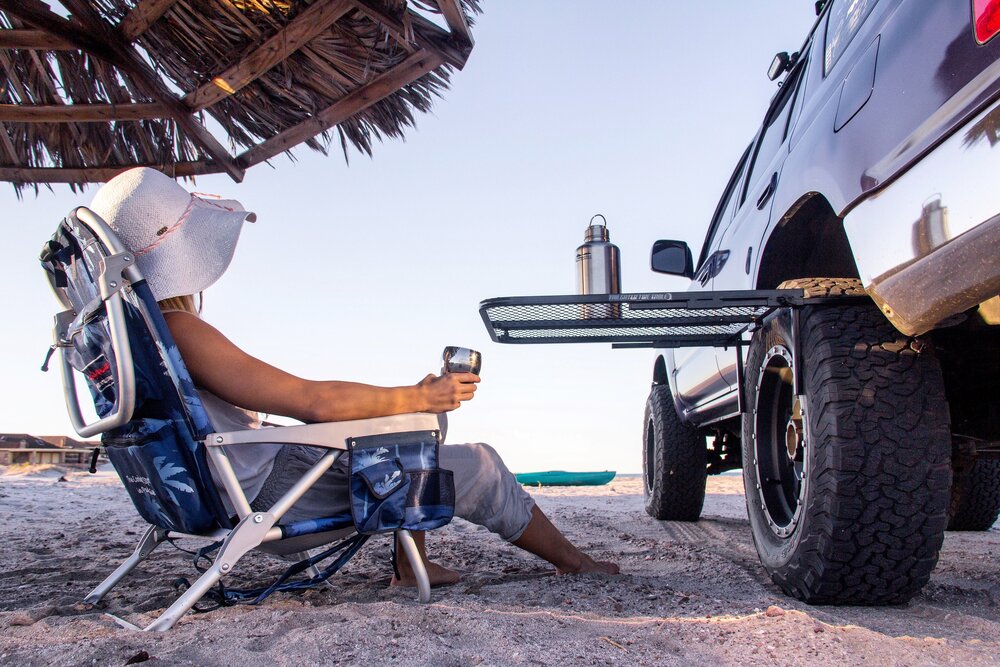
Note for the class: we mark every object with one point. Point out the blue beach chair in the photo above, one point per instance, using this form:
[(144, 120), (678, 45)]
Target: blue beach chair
[(163, 447)]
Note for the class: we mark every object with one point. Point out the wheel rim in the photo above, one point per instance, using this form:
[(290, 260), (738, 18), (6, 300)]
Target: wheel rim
[(780, 443)]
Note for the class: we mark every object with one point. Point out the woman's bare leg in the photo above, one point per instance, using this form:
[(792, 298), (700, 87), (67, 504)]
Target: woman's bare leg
[(543, 539), (540, 538), (438, 574)]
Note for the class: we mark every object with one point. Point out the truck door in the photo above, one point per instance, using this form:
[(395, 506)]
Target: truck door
[(696, 376), (738, 241)]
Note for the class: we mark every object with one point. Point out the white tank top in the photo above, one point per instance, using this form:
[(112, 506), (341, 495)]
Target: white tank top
[(251, 463)]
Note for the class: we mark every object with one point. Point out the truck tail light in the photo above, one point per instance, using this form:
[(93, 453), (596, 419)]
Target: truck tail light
[(986, 19)]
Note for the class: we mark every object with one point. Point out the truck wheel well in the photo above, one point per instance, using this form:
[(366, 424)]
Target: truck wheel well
[(809, 241)]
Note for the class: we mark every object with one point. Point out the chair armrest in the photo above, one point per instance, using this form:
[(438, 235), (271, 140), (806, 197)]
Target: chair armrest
[(331, 435)]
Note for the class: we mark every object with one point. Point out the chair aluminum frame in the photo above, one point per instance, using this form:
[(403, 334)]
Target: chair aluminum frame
[(117, 269), (254, 529)]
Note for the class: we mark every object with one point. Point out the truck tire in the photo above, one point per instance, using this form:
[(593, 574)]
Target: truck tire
[(846, 485), (975, 494), (674, 462), (813, 287)]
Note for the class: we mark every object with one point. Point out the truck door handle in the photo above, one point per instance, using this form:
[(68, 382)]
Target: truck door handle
[(713, 265), (768, 191)]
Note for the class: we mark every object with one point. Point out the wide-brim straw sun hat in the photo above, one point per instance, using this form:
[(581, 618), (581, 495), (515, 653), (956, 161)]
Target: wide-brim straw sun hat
[(182, 242)]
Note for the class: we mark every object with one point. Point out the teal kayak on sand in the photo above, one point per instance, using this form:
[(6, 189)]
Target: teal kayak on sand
[(564, 478)]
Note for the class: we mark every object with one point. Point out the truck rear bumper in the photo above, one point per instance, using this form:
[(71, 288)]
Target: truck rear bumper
[(926, 245), (961, 274)]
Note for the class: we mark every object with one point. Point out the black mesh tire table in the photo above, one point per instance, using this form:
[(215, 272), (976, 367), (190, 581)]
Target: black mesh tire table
[(652, 319)]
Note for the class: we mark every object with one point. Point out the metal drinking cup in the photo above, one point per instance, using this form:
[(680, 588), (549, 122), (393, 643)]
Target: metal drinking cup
[(461, 360)]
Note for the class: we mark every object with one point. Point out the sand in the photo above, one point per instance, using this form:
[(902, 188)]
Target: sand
[(689, 594)]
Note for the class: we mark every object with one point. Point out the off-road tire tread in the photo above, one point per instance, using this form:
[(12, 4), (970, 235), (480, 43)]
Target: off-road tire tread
[(680, 476), (975, 495), (875, 516), (816, 287)]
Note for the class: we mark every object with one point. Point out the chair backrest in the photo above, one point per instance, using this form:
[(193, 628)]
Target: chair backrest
[(150, 416)]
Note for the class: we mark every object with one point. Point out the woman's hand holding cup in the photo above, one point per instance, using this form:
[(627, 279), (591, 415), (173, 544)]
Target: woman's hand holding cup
[(443, 393)]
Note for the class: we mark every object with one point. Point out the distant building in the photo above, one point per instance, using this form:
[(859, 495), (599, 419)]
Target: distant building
[(55, 449)]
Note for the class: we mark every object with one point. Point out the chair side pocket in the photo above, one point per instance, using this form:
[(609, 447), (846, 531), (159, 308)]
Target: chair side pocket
[(396, 483)]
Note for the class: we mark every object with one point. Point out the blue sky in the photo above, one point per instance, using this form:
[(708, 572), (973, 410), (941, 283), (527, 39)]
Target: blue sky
[(637, 110)]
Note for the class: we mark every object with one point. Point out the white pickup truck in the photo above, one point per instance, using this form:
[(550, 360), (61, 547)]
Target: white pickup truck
[(839, 339)]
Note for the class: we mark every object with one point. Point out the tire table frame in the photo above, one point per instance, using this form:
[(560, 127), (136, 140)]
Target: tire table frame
[(662, 320)]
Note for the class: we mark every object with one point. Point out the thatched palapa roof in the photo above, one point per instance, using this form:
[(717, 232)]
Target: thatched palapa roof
[(123, 83)]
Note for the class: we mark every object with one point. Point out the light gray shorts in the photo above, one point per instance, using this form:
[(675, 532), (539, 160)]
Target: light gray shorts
[(486, 492)]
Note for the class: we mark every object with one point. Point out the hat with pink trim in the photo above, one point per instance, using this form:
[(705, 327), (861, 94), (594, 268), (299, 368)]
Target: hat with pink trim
[(182, 242)]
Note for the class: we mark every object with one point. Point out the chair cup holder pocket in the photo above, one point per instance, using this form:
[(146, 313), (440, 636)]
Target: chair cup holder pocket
[(431, 499)]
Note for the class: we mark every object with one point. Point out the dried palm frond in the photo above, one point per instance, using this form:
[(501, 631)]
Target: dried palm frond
[(362, 76)]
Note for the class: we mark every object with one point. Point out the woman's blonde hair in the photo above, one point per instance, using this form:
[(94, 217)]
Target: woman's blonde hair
[(185, 303)]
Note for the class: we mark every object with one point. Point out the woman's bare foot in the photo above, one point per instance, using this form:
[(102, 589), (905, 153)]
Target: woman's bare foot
[(438, 575), (588, 564)]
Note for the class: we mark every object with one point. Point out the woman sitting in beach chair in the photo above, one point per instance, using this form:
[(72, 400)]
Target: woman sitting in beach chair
[(183, 244)]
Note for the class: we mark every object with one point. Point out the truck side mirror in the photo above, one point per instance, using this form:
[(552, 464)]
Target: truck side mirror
[(673, 257), (782, 63)]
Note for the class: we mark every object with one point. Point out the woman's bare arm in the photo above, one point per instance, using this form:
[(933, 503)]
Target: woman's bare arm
[(219, 366)]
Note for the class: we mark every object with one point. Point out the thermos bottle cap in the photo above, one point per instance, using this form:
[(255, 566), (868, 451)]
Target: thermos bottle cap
[(596, 232)]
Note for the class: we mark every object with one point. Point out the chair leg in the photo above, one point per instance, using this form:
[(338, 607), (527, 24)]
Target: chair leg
[(149, 541), (417, 563), (248, 534)]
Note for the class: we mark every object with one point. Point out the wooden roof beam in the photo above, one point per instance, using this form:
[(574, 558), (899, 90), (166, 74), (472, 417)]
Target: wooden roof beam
[(431, 36), (102, 41), (33, 39), (100, 174), (314, 21), (391, 24), (406, 72), (455, 18), (143, 15), (80, 113), (7, 146)]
